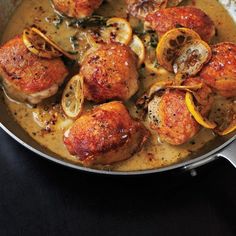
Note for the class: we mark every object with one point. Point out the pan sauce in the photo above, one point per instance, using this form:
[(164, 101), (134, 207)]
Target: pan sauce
[(48, 129)]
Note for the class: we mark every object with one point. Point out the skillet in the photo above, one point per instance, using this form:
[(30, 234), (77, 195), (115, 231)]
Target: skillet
[(220, 147)]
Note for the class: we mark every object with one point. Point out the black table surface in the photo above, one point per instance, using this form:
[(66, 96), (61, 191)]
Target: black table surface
[(38, 197)]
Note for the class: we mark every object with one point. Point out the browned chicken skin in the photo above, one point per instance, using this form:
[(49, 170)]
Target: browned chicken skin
[(220, 72), (105, 135), (175, 124), (110, 73), (189, 17), (76, 8), (27, 77)]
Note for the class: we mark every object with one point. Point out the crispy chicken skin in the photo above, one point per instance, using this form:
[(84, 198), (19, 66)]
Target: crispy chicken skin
[(220, 72), (105, 135), (76, 8), (187, 16), (27, 77), (176, 125), (110, 73)]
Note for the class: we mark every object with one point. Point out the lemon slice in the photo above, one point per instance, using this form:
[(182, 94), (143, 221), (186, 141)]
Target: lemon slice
[(73, 97), (170, 45), (39, 44), (186, 87), (196, 114), (150, 61), (137, 46), (51, 118), (192, 57), (151, 67), (141, 8), (85, 42), (231, 128), (117, 30), (159, 85)]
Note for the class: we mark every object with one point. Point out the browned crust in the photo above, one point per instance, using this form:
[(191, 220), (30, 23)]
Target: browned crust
[(176, 126), (110, 73), (76, 8), (105, 135), (220, 72), (26, 72), (186, 16)]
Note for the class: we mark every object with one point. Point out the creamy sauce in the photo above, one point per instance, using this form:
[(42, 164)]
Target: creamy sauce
[(46, 122)]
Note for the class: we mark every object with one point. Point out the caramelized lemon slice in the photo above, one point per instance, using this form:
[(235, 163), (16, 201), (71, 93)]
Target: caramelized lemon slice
[(117, 30), (73, 97), (85, 42), (196, 114), (170, 45), (151, 61), (152, 67), (50, 117), (141, 8), (192, 57), (231, 128), (186, 87), (39, 44), (159, 85), (137, 46)]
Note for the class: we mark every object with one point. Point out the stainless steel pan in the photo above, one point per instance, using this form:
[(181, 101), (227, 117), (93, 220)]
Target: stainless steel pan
[(221, 147)]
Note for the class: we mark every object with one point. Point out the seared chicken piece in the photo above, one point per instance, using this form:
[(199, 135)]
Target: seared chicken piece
[(186, 16), (170, 118), (105, 135), (220, 72), (76, 8), (27, 77), (110, 73), (173, 123)]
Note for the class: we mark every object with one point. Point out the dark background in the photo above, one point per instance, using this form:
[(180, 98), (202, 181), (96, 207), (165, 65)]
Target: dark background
[(38, 197)]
